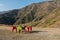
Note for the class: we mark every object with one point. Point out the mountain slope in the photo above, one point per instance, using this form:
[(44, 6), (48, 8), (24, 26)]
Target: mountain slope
[(41, 14), (35, 11), (51, 19), (8, 17)]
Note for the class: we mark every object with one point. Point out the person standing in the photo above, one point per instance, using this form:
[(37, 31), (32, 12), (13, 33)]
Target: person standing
[(30, 29), (14, 28), (19, 28)]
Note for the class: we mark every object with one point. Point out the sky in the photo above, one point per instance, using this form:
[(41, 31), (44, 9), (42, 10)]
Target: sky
[(6, 5)]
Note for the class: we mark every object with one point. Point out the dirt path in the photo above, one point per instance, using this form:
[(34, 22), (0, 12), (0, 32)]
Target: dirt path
[(37, 34)]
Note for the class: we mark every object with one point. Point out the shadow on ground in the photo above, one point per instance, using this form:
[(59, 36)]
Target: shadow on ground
[(34, 32), (37, 31)]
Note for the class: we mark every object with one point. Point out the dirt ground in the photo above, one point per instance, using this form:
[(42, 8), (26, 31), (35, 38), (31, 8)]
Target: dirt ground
[(37, 34)]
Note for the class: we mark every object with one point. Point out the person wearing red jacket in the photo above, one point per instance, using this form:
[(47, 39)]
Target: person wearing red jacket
[(14, 28), (30, 28)]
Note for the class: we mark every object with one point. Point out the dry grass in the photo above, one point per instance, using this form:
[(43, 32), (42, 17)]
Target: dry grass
[(37, 34)]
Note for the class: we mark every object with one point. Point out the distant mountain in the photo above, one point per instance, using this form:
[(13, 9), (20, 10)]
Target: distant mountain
[(8, 17), (41, 14)]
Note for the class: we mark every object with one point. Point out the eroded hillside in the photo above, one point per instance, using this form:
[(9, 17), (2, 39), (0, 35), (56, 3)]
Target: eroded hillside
[(41, 14)]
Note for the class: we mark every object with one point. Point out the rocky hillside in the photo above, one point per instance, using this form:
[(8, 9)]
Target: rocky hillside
[(37, 14), (8, 17)]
